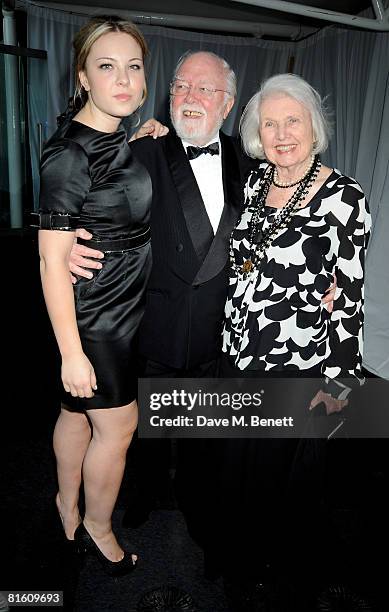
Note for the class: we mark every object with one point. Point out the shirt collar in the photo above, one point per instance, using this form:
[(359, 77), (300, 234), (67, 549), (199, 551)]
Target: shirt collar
[(191, 144)]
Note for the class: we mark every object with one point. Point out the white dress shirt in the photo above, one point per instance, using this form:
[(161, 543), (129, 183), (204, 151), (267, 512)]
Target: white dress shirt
[(208, 173)]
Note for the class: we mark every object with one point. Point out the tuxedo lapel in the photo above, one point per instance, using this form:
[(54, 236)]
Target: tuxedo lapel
[(196, 217), (233, 190)]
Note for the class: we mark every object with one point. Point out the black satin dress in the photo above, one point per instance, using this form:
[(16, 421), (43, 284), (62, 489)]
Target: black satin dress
[(92, 175)]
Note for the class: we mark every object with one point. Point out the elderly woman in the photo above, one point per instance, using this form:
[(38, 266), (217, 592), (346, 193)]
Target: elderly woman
[(303, 223)]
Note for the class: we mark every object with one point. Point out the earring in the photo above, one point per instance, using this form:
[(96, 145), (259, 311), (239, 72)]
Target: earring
[(136, 111), (77, 101), (144, 96), (137, 118)]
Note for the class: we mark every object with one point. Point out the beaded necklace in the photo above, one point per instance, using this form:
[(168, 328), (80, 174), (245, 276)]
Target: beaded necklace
[(286, 185), (260, 240)]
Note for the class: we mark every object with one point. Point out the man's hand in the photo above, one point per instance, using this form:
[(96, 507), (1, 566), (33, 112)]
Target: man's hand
[(329, 297), (332, 405), (152, 127), (79, 257)]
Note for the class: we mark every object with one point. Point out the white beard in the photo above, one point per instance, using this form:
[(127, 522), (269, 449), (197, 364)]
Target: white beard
[(195, 130)]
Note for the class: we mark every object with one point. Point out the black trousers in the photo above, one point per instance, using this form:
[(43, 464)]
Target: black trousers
[(267, 494), (156, 460)]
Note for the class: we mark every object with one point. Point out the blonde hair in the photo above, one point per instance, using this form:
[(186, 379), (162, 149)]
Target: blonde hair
[(92, 31)]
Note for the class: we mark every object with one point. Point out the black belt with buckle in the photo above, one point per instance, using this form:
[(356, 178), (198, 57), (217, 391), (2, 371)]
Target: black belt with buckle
[(121, 244), (54, 221)]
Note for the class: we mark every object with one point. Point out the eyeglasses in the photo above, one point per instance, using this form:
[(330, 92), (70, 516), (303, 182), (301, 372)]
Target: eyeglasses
[(181, 88)]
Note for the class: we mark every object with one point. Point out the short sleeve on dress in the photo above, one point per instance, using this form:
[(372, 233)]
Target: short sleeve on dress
[(65, 182)]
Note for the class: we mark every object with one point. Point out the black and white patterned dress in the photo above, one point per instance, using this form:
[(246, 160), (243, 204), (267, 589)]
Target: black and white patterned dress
[(274, 318)]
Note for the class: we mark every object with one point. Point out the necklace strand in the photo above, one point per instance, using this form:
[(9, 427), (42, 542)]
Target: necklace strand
[(285, 185), (261, 240)]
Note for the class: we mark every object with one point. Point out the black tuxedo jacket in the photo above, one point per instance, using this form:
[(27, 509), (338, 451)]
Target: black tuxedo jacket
[(185, 298)]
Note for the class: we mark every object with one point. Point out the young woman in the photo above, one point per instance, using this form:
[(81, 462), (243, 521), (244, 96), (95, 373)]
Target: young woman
[(90, 179)]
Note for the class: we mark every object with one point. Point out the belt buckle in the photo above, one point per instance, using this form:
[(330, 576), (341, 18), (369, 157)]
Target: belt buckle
[(45, 220), (34, 214)]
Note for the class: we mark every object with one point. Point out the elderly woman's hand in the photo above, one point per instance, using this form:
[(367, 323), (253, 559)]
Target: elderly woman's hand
[(332, 405)]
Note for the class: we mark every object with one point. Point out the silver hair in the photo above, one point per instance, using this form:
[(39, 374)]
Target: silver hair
[(229, 73), (297, 88)]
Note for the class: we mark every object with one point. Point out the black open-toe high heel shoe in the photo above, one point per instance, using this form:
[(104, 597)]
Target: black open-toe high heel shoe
[(86, 545)]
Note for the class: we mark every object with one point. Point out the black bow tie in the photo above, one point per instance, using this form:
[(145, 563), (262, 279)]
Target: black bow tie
[(212, 149)]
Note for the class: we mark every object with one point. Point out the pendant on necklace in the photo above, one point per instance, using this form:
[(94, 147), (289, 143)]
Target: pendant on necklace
[(247, 266), (257, 236)]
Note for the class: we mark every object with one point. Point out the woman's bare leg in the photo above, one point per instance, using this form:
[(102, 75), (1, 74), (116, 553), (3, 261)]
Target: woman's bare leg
[(103, 472), (71, 439)]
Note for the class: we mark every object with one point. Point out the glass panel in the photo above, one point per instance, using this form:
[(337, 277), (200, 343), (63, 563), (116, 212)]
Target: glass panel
[(38, 127), (22, 107)]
